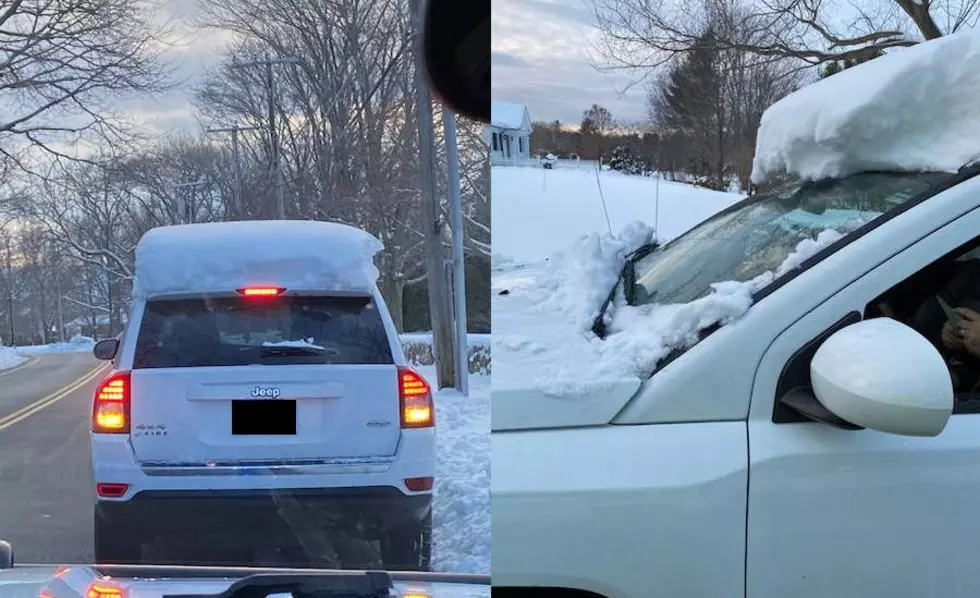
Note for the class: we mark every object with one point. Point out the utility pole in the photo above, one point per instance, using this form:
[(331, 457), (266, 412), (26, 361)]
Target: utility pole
[(239, 208), (270, 83), (432, 228), (182, 210), (459, 262), (10, 293)]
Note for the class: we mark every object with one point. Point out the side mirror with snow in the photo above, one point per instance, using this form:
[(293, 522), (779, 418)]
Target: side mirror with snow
[(106, 349), (882, 375)]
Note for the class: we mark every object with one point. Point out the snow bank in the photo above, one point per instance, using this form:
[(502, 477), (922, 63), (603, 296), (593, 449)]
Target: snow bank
[(8, 358), (229, 255), (461, 506), (544, 321), (77, 343), (913, 109)]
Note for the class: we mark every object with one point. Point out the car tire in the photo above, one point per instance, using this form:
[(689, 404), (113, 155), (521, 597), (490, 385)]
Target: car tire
[(114, 546), (409, 547)]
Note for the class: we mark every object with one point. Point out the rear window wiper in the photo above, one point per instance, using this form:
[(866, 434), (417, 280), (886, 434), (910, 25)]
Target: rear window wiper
[(332, 584), (627, 275), (290, 351)]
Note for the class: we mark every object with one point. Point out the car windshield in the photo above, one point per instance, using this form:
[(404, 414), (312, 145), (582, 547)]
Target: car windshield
[(229, 329), (758, 234)]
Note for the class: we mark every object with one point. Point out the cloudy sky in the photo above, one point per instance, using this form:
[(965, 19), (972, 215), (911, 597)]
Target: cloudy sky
[(191, 51), (541, 57)]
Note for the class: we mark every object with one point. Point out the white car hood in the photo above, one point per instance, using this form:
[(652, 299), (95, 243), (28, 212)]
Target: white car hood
[(51, 581), (523, 408)]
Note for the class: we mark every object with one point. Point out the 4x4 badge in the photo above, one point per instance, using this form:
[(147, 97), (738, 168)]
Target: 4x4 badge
[(270, 391)]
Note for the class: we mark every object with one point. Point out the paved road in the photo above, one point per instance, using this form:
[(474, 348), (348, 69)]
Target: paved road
[(46, 491)]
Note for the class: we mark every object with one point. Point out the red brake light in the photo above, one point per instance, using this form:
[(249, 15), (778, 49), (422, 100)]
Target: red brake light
[(261, 291), (110, 412), (417, 409), (111, 490)]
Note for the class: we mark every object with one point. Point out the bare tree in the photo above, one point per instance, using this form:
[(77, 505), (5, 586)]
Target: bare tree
[(642, 34), (60, 60)]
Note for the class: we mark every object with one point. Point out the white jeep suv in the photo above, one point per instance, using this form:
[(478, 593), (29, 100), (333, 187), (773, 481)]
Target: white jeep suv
[(258, 397)]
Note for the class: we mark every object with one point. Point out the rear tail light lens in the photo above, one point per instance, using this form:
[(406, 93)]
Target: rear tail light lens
[(111, 490), (419, 484), (104, 590), (415, 396), (110, 412)]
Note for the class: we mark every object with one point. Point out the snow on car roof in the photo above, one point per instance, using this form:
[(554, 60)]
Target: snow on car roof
[(506, 115), (223, 256), (913, 109)]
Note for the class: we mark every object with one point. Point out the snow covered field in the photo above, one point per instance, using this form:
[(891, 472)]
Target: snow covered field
[(537, 212)]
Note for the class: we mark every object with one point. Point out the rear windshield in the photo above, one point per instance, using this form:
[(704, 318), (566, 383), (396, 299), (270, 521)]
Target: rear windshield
[(232, 331)]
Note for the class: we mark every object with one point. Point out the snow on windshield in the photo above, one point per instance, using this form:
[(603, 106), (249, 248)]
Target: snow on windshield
[(914, 109), (228, 255), (546, 313)]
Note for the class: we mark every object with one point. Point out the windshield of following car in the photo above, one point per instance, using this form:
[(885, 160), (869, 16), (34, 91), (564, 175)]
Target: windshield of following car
[(758, 234), (229, 331)]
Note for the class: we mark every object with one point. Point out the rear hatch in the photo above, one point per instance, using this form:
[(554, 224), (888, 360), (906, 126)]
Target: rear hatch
[(229, 379)]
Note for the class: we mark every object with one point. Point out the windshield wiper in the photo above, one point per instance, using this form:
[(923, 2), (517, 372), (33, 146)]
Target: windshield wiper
[(332, 584), (627, 275)]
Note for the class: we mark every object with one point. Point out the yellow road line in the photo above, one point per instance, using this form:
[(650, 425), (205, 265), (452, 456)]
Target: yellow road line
[(29, 359), (51, 399)]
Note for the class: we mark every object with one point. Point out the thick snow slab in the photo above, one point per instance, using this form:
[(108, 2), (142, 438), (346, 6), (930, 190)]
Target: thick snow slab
[(223, 256), (913, 109)]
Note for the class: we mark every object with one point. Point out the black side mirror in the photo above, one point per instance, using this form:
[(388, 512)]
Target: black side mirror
[(106, 349), (456, 46)]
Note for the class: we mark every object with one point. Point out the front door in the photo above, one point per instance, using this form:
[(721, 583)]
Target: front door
[(834, 512)]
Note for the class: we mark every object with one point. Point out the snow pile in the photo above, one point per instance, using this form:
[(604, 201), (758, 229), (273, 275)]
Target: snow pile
[(223, 256), (544, 323), (77, 343), (912, 109), (8, 358), (584, 274), (461, 508)]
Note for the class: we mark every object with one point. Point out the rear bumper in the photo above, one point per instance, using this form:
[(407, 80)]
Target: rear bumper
[(261, 514)]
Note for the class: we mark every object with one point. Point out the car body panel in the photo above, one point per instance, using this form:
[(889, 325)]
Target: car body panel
[(621, 510), (827, 511)]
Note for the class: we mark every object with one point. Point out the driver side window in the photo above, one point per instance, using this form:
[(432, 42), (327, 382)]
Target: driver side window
[(942, 303)]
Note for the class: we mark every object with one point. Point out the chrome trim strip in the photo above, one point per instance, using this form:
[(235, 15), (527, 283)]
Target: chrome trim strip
[(267, 467)]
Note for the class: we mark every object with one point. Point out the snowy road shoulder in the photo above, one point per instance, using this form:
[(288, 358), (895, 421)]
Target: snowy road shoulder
[(461, 509), (10, 358)]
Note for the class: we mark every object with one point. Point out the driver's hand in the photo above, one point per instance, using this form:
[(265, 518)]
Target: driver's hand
[(969, 330), (951, 336)]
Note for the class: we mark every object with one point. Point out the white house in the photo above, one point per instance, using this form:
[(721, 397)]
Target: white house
[(509, 133)]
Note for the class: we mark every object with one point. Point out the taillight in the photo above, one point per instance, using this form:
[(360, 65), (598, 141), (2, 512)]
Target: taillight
[(261, 291), (111, 490), (110, 412), (102, 589), (415, 396)]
